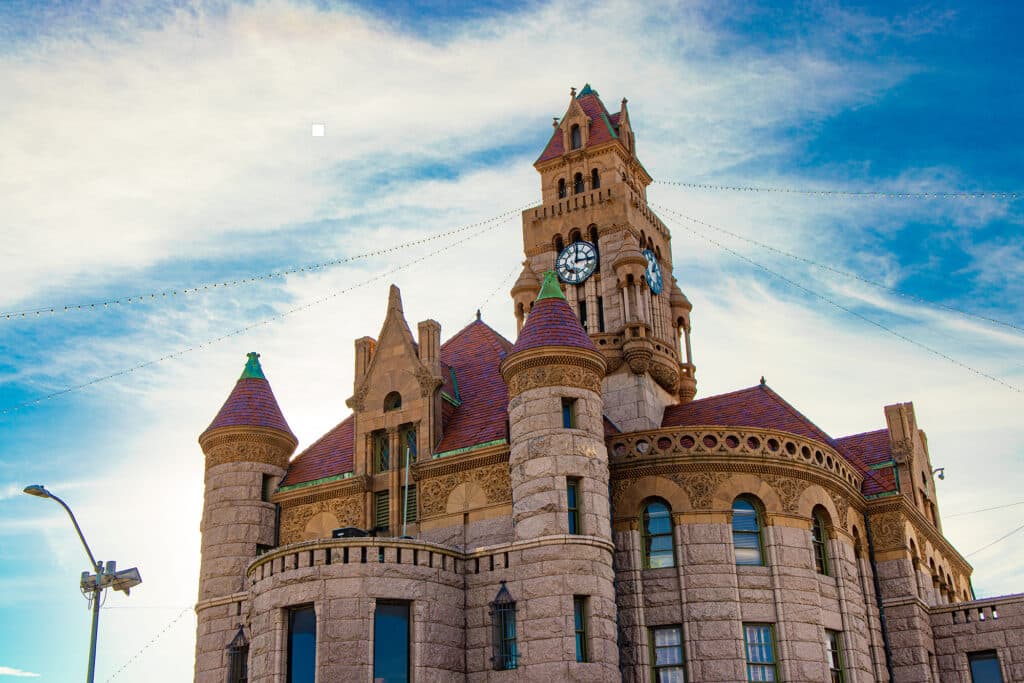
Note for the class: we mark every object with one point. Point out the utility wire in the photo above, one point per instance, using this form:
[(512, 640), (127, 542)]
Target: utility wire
[(200, 289), (241, 330), (1001, 538), (846, 194), (846, 273), (501, 284), (836, 304), (974, 512), (151, 641)]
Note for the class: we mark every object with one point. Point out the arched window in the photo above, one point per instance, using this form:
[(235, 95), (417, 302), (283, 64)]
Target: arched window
[(393, 401), (559, 244), (595, 179), (577, 183), (819, 540), (656, 527), (746, 531), (561, 188), (503, 631), (238, 658), (576, 140), (574, 236)]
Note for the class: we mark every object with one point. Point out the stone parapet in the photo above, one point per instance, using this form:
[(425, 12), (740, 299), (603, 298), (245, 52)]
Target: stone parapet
[(977, 626)]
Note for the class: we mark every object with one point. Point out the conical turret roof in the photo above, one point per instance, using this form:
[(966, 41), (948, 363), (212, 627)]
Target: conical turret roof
[(251, 403), (551, 322)]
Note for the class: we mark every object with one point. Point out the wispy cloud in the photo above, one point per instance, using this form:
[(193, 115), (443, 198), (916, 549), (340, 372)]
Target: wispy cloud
[(16, 673)]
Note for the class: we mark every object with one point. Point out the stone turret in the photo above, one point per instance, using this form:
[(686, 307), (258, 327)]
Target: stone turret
[(559, 476), (247, 447)]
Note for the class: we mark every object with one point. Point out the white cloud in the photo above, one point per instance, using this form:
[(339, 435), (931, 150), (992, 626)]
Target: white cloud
[(16, 673)]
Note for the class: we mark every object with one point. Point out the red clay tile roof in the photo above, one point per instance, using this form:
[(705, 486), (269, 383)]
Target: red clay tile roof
[(328, 456), (476, 352), (866, 450), (757, 406), (552, 323), (609, 428), (250, 404), (602, 126)]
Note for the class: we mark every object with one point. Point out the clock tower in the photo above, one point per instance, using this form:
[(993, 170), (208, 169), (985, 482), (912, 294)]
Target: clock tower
[(613, 257)]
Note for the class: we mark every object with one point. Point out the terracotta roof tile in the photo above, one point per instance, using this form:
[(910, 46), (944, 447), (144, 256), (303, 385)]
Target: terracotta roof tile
[(328, 456), (609, 428), (552, 323), (867, 450), (475, 352), (251, 404), (602, 126)]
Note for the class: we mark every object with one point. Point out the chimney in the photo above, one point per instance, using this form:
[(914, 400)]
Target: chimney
[(430, 346), (365, 346)]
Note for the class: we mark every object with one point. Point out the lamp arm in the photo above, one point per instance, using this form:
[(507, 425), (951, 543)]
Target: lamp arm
[(74, 521)]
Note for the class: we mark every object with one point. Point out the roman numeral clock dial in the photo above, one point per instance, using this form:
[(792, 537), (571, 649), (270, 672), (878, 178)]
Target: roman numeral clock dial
[(576, 263)]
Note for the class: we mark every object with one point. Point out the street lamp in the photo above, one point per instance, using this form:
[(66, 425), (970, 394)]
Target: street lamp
[(106, 576)]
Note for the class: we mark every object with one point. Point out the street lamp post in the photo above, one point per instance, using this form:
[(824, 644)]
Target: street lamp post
[(104, 577)]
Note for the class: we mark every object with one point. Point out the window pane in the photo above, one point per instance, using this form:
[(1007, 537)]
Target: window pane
[(391, 643), (675, 674), (985, 667), (301, 645)]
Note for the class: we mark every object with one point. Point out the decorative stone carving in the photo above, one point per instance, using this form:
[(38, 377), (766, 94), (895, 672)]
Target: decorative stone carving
[(842, 509), (789, 491), (638, 356), (553, 376), (699, 486), (298, 521), (358, 400), (667, 377), (887, 530), (428, 382), (245, 445), (493, 480)]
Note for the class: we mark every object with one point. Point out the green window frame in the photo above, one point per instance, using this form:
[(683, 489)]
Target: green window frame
[(658, 543), (569, 413), (382, 510), (407, 440), (746, 532), (819, 541), (668, 663), (579, 615), (835, 656), (409, 503), (759, 642), (381, 454), (572, 499)]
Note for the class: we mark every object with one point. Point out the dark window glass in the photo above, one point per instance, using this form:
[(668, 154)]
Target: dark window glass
[(746, 533), (407, 437), (572, 492), (600, 314), (301, 644), (835, 656), (579, 612), (985, 667), (391, 642), (595, 179), (575, 138), (577, 184), (267, 488), (760, 646), (657, 536), (238, 659), (381, 456), (503, 635), (569, 413), (819, 539), (561, 188), (582, 304), (393, 401), (381, 510), (667, 654)]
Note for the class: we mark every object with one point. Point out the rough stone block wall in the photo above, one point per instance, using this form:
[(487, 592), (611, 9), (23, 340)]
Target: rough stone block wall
[(989, 624)]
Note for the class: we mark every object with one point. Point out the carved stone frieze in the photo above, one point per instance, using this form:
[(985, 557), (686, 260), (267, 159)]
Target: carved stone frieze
[(348, 511), (664, 375), (887, 529), (247, 445), (699, 486), (428, 381), (554, 375), (789, 491), (493, 479), (842, 509)]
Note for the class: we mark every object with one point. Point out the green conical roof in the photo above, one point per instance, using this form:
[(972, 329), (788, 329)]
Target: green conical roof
[(587, 90), (550, 289), (252, 367)]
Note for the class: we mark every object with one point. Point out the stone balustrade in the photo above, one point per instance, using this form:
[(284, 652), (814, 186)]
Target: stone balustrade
[(980, 611), (762, 444), (572, 203)]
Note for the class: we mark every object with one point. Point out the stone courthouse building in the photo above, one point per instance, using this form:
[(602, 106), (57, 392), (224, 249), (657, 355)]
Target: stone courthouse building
[(564, 508)]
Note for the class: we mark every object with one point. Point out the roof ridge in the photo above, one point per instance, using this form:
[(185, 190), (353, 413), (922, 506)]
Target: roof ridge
[(870, 431), (465, 329), (322, 437), (796, 413)]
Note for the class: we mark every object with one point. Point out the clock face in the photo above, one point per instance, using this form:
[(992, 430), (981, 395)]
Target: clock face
[(577, 262), (654, 279)]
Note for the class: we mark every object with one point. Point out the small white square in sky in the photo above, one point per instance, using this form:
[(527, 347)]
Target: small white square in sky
[(319, 130)]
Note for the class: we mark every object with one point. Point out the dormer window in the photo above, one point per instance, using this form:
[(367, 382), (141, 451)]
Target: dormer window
[(595, 179), (577, 184), (393, 401), (561, 188), (575, 137)]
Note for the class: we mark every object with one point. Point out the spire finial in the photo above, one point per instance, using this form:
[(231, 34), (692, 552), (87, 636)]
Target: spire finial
[(572, 91), (395, 299), (550, 288), (252, 367), (554, 122), (478, 315), (762, 381)]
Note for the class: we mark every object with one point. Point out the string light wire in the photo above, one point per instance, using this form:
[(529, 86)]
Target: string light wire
[(293, 270), (855, 276), (836, 304), (152, 640), (989, 545), (242, 330), (844, 194)]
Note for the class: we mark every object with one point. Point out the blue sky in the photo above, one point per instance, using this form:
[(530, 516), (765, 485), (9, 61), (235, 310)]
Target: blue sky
[(151, 147)]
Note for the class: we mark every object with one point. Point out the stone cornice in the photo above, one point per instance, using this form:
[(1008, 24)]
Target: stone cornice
[(247, 444), (452, 464), (318, 492), (902, 507), (553, 366)]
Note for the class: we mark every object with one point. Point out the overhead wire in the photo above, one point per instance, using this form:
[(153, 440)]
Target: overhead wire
[(292, 270), (241, 330), (974, 512), (152, 640), (848, 194), (855, 276), (989, 545), (836, 304)]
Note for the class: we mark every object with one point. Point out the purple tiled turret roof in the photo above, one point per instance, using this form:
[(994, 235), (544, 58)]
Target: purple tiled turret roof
[(251, 403), (551, 322)]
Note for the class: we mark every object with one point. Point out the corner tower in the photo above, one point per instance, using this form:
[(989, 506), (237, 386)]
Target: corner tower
[(614, 258), (247, 447)]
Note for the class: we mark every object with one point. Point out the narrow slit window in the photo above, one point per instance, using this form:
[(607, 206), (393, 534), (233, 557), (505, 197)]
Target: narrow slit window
[(572, 492), (835, 656), (667, 661), (301, 645), (579, 613), (658, 547), (746, 532), (503, 631), (759, 641), (391, 641), (569, 413), (819, 540)]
